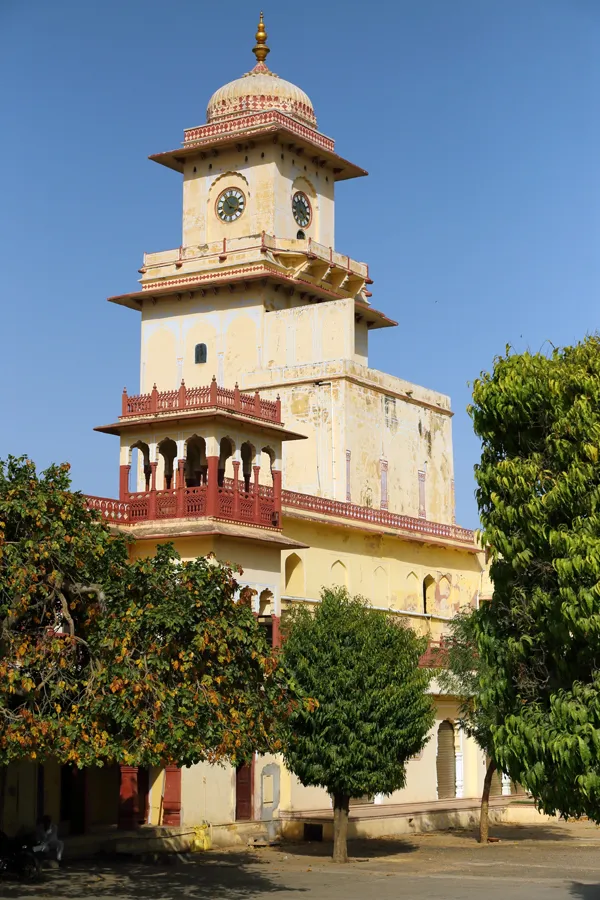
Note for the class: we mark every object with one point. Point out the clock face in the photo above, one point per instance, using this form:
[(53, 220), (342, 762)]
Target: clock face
[(231, 204), (301, 209)]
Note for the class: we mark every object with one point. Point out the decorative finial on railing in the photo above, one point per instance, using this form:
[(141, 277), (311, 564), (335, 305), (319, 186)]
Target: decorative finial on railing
[(214, 378), (260, 49)]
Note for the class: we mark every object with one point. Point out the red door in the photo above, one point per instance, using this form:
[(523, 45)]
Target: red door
[(243, 792)]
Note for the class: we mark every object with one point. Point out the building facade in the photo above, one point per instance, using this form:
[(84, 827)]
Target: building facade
[(261, 433)]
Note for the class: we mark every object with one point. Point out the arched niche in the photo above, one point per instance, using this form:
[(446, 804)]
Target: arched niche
[(429, 594), (294, 576), (339, 574)]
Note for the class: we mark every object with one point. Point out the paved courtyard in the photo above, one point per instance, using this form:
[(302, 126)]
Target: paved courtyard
[(547, 863)]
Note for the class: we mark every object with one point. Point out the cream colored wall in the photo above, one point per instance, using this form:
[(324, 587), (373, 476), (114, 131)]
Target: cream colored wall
[(229, 324), (345, 407), (387, 570), (207, 794), (269, 175), (308, 333)]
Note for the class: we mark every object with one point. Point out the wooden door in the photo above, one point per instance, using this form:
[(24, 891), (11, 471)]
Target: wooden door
[(446, 762), (244, 777)]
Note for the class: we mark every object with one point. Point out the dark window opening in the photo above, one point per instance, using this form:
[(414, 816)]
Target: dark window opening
[(200, 353), (300, 236)]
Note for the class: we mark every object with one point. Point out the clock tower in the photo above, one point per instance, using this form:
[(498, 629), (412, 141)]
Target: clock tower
[(262, 434)]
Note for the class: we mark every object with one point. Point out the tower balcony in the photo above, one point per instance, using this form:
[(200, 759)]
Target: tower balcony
[(317, 272), (189, 400), (228, 499)]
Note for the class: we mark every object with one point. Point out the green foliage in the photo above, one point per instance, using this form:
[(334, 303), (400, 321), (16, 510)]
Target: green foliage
[(538, 418), (102, 659), (462, 676), (370, 711)]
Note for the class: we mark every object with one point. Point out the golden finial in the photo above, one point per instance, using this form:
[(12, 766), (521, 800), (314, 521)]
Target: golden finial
[(260, 49)]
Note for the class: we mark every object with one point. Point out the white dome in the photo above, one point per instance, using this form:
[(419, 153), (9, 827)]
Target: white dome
[(257, 91)]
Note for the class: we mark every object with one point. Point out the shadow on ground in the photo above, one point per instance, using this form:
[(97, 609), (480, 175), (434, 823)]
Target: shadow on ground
[(370, 849), (585, 891), (231, 876)]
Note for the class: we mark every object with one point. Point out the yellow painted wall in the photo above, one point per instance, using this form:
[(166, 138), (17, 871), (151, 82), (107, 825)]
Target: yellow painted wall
[(387, 570)]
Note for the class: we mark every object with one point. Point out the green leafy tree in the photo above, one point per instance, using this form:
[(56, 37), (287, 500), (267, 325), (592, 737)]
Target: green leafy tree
[(105, 660), (370, 711), (461, 674), (538, 417)]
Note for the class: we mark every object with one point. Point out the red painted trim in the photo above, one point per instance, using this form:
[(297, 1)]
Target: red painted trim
[(129, 812), (171, 799), (209, 397)]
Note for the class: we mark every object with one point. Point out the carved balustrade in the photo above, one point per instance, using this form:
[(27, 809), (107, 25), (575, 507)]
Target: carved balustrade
[(210, 397), (327, 507)]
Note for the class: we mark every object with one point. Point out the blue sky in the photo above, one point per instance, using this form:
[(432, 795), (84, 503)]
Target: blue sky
[(477, 119)]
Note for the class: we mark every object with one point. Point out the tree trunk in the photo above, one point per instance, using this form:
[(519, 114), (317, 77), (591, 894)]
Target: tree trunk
[(484, 816), (3, 777), (341, 805)]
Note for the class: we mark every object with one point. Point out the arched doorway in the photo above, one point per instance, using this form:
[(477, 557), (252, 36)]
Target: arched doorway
[(446, 762)]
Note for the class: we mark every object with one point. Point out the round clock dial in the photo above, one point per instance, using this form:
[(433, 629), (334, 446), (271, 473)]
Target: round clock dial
[(301, 209), (231, 204)]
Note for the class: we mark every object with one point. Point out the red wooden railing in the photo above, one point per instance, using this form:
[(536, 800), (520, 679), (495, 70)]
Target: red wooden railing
[(256, 506), (375, 516), (259, 505), (210, 397)]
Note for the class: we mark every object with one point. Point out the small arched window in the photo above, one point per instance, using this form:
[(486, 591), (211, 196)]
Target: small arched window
[(300, 236), (200, 353)]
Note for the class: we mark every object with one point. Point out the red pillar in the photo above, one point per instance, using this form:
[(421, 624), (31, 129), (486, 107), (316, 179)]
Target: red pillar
[(152, 494), (124, 482), (276, 622), (277, 496), (172, 796), (129, 812), (236, 488), (212, 497), (256, 494), (180, 487)]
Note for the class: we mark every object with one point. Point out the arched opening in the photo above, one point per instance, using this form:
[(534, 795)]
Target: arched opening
[(200, 354), (247, 453), (339, 574), (196, 464), (168, 450), (380, 585), (446, 762), (428, 594), (226, 450), (294, 576), (267, 460), (140, 465), (300, 235)]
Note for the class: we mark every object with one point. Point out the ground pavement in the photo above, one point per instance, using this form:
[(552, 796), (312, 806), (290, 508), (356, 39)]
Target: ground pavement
[(549, 862)]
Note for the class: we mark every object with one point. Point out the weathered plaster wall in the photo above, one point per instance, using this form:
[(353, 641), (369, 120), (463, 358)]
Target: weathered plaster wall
[(269, 175), (385, 569)]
